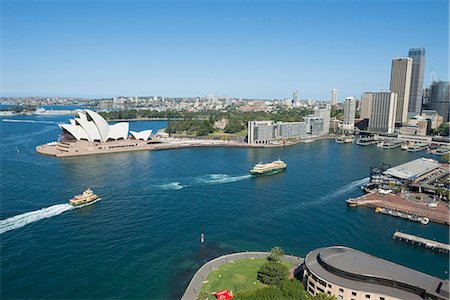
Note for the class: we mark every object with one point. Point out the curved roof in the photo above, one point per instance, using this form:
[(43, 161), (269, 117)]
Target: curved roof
[(141, 135), (92, 127), (360, 271)]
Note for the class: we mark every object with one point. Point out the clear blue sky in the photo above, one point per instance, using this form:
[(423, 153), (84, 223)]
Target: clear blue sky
[(255, 49)]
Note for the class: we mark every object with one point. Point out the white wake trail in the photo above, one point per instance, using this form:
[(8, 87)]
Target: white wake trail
[(33, 216), (30, 121), (219, 179)]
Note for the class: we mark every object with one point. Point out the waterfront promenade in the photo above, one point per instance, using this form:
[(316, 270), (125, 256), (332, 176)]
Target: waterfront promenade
[(200, 276)]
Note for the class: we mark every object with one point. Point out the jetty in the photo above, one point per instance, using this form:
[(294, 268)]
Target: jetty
[(420, 241), (438, 214)]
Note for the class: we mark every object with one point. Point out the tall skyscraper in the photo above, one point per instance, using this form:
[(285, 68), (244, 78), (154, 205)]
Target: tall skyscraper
[(383, 112), (401, 84), (295, 97), (349, 113), (333, 97), (439, 98), (366, 105), (415, 94)]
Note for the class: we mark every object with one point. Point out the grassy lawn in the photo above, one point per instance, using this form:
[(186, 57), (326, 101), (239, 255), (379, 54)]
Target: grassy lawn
[(239, 275)]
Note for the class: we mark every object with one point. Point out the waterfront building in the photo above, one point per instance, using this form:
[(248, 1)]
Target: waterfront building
[(314, 125), (366, 105), (141, 135), (413, 172), (435, 119), (416, 91), (325, 114), (401, 84), (261, 132), (416, 126), (349, 113), (439, 98), (383, 112), (347, 273), (265, 132), (333, 97)]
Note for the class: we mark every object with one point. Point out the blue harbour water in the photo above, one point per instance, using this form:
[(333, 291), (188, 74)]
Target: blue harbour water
[(143, 239)]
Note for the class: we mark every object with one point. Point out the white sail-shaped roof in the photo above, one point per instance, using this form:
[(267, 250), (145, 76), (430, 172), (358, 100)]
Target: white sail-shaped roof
[(141, 135), (93, 127)]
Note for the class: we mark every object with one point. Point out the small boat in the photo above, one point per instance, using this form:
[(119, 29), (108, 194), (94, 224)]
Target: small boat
[(378, 210), (352, 202), (269, 168), (424, 220), (344, 139), (88, 197), (366, 141)]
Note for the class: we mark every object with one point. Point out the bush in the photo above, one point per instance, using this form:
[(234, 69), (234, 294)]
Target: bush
[(293, 289), (265, 293), (272, 273)]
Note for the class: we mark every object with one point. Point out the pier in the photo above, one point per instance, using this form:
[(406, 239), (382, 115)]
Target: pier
[(420, 241)]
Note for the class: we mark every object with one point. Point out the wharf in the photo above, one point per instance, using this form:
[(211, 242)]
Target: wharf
[(438, 214), (430, 244)]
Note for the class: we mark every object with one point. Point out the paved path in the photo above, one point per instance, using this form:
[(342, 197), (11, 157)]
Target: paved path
[(197, 281)]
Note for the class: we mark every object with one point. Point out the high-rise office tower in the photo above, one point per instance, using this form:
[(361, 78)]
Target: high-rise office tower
[(383, 112), (333, 97), (401, 84), (439, 98), (366, 105), (295, 97), (416, 91), (349, 113)]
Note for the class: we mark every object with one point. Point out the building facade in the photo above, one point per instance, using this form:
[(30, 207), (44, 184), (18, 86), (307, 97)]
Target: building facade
[(439, 98), (383, 112), (349, 113), (333, 97), (266, 132), (314, 125), (401, 85), (416, 91), (325, 114), (366, 105), (351, 274)]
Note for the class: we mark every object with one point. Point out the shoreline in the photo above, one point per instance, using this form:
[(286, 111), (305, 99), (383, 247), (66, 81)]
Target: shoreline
[(202, 273)]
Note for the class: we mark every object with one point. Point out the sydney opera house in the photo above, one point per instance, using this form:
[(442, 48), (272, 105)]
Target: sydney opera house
[(89, 133)]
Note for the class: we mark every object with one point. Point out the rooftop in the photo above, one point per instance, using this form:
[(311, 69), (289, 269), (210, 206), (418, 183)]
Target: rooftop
[(413, 169), (360, 271)]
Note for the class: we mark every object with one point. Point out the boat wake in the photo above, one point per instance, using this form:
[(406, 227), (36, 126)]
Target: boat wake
[(30, 121), (33, 216), (208, 179), (342, 191), (219, 179)]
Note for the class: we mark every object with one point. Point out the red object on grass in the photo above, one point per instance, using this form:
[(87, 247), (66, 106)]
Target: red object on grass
[(223, 295)]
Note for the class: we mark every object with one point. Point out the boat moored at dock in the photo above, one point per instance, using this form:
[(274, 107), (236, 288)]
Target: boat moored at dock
[(86, 198), (269, 168), (366, 141)]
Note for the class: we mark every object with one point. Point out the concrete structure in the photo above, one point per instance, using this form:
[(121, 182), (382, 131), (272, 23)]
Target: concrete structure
[(265, 132), (435, 119), (439, 98), (314, 125), (92, 127), (401, 85), (333, 97), (416, 91), (349, 113), (200, 276), (420, 241), (383, 112), (295, 98), (351, 274), (366, 105), (416, 126), (325, 114)]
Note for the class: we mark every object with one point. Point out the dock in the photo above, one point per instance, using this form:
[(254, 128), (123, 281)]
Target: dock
[(420, 241)]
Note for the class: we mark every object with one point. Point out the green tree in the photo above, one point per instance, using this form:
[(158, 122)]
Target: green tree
[(276, 253), (234, 125), (203, 295), (293, 289), (323, 296), (272, 273), (265, 293), (443, 129), (445, 157)]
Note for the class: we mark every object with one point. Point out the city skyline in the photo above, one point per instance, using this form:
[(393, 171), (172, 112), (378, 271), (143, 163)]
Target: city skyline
[(247, 49)]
